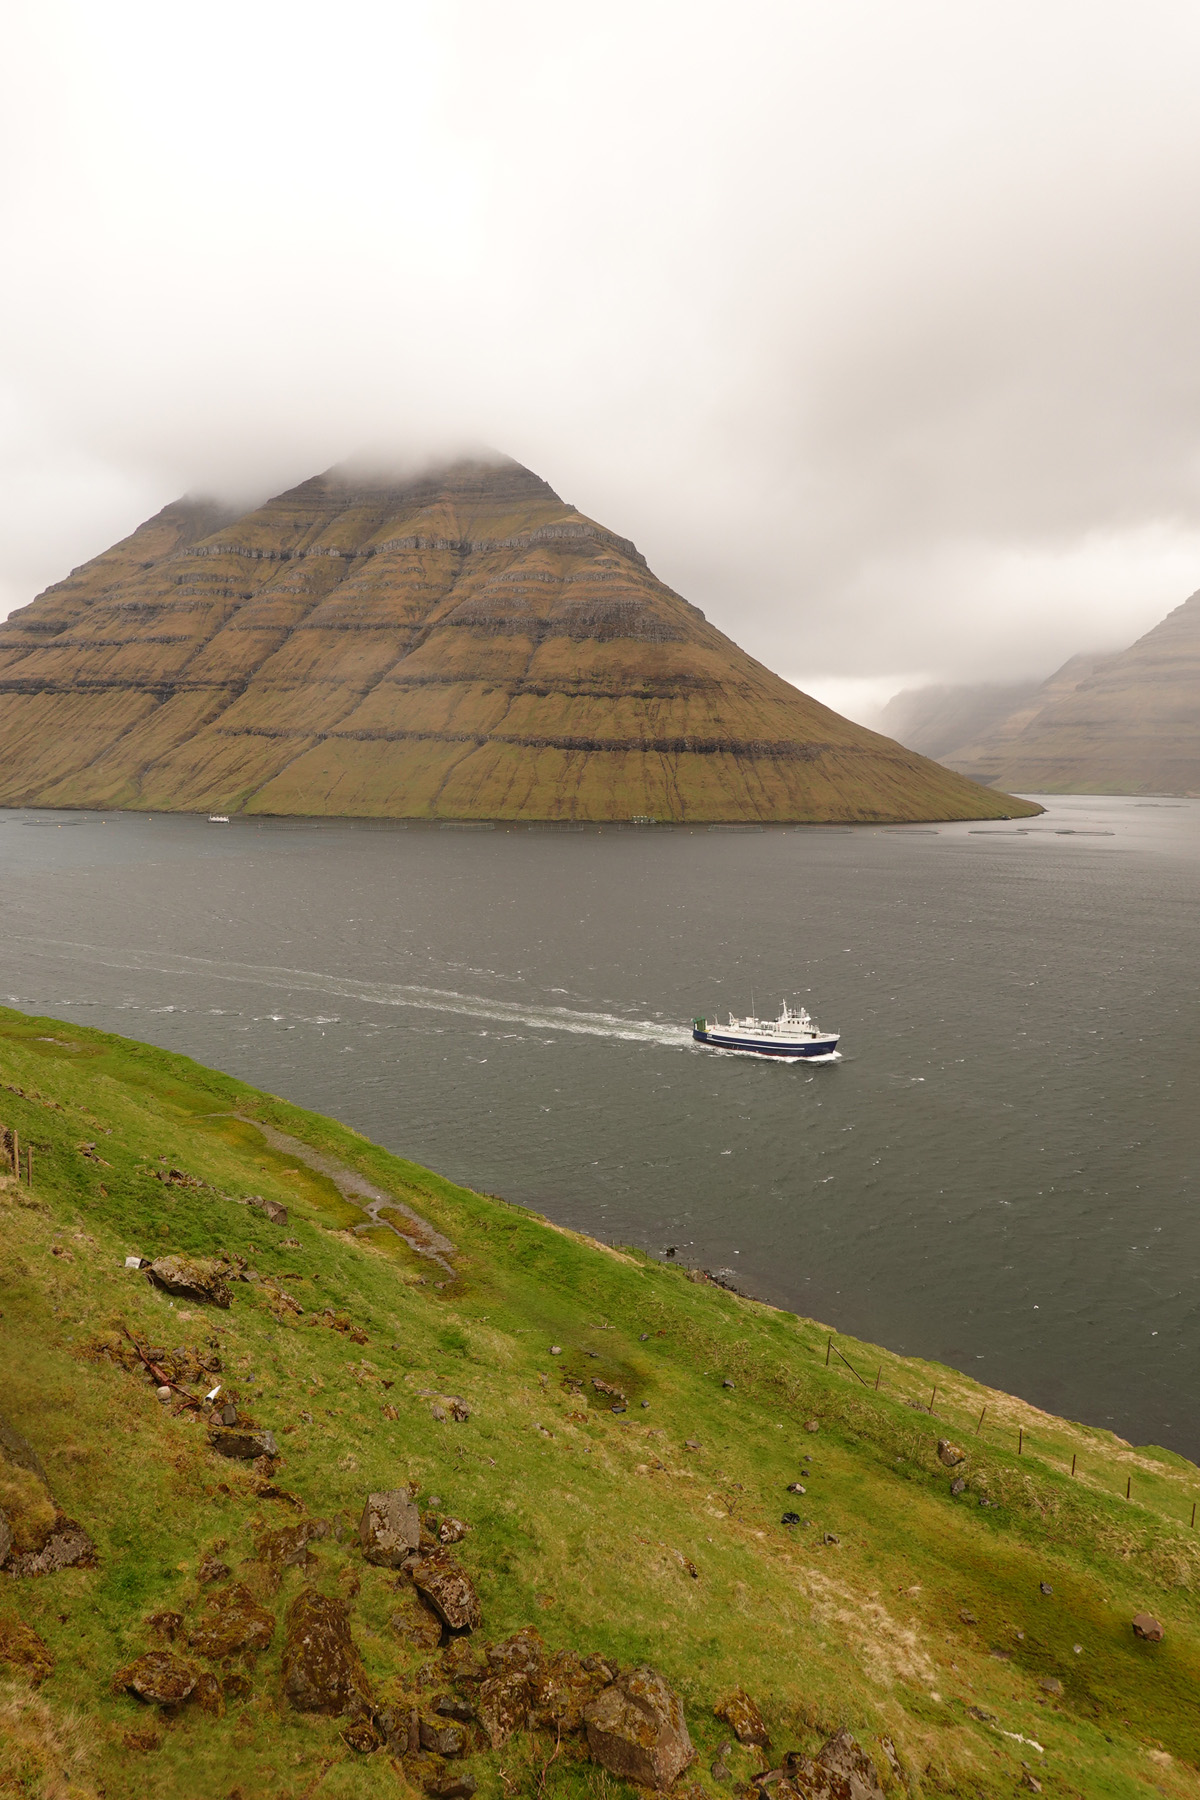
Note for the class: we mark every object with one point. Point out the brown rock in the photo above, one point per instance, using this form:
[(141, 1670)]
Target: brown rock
[(160, 1678), (503, 1707), (841, 1756), (561, 1690), (362, 1736), (287, 1546), (321, 1669), (522, 1654), (191, 1278), (22, 1651), (812, 1424), (448, 1784), (950, 1454), (743, 1718), (67, 1547), (209, 1695), (414, 1624), (452, 1531), (464, 1662), (390, 1528), (447, 1587), (212, 1569), (233, 1621), (242, 1442), (6, 1536), (1051, 1684), (636, 1730), (1145, 1625), (270, 1209), (442, 1737), (165, 1624)]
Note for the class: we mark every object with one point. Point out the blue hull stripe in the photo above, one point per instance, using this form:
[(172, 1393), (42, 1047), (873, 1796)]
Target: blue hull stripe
[(822, 1047)]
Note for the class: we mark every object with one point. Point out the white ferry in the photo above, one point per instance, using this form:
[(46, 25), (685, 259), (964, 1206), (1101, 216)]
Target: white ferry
[(791, 1034), (218, 818)]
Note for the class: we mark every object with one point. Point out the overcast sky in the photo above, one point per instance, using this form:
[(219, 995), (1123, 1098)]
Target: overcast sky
[(875, 325)]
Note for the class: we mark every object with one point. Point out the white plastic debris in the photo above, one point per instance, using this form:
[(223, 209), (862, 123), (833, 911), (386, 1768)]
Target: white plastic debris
[(214, 1393), (133, 1262), (164, 1394)]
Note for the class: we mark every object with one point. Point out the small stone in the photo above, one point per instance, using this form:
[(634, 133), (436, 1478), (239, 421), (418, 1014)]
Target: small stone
[(636, 1730), (390, 1528), (556, 1349), (448, 1784), (812, 1424), (950, 1454), (1045, 1587), (794, 1487), (743, 1718), (452, 1531), (790, 1518), (1051, 1684), (727, 1384), (831, 1537), (691, 1443), (1146, 1626), (442, 1738), (361, 1734), (645, 1338), (842, 1756), (504, 1702), (163, 1394), (1078, 1649), (160, 1678), (967, 1616), (1031, 1782), (958, 1487), (212, 1569)]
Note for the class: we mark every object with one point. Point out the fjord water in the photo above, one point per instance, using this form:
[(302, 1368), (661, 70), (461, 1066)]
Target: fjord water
[(1000, 1173)]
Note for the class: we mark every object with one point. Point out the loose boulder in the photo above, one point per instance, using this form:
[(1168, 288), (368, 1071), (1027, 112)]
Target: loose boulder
[(842, 1757), (68, 1546), (743, 1718), (191, 1278), (160, 1678), (503, 1706), (390, 1528), (1146, 1626), (415, 1625), (636, 1730), (561, 1690), (245, 1443), (950, 1454), (442, 1581), (321, 1669), (233, 1622)]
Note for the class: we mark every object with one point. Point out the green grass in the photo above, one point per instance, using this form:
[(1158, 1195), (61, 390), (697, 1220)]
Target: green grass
[(579, 1532)]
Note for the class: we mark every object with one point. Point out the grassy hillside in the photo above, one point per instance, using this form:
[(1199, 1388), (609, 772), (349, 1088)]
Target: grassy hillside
[(650, 1535)]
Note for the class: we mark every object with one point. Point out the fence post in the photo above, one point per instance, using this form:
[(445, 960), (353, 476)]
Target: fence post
[(16, 1154), (1072, 1464), (1020, 1440), (879, 1372), (1193, 1514), (933, 1397), (1128, 1486), (828, 1351), (977, 1428)]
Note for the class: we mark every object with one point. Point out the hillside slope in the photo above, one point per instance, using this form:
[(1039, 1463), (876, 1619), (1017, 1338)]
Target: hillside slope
[(459, 644), (630, 1438), (1122, 724)]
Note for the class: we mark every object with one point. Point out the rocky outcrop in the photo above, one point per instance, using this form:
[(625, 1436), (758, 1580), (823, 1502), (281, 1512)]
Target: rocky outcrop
[(458, 644), (636, 1730), (743, 1718), (160, 1678), (23, 1652)]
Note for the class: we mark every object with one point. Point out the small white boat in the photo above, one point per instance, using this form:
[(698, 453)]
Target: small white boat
[(218, 818), (792, 1034)]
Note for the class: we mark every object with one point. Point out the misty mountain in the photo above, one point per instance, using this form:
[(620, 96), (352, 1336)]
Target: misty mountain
[(455, 644)]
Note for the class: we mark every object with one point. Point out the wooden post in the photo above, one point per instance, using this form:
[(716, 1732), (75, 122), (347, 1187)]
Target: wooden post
[(977, 1428), (933, 1396), (1128, 1485), (828, 1352), (879, 1372), (1072, 1465), (16, 1154), (1193, 1514), (1020, 1440)]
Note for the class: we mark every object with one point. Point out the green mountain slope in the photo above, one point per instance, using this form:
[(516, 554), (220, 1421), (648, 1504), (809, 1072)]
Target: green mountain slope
[(459, 644), (895, 1606)]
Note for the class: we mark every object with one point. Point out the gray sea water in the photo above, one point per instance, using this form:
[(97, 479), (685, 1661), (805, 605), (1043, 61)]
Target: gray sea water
[(1000, 1173)]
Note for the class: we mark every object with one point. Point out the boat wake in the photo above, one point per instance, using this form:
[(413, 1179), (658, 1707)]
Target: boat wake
[(531, 1015)]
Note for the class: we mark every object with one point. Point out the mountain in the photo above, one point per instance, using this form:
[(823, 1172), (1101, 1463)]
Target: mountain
[(458, 643), (607, 1464), (1121, 724), (937, 719)]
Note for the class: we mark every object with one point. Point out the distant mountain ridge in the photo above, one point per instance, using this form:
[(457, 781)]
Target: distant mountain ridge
[(1126, 723), (457, 643)]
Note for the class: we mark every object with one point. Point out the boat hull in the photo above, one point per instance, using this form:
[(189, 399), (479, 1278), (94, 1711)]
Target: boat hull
[(806, 1047)]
